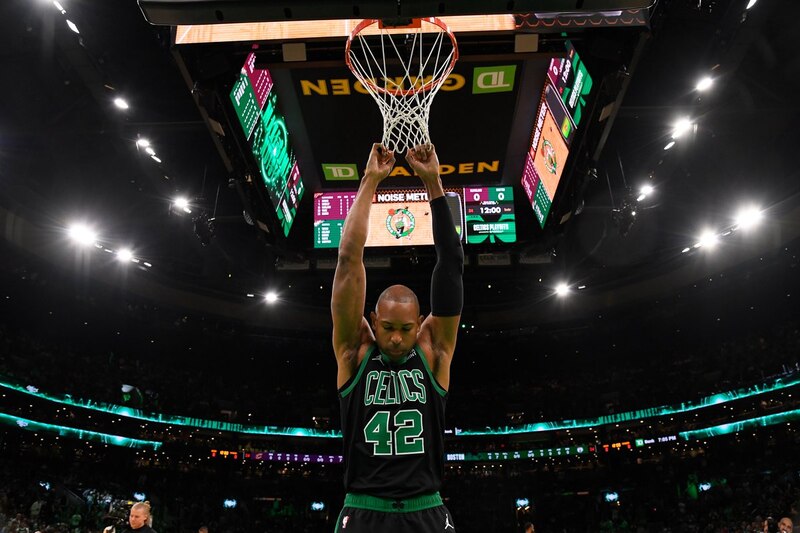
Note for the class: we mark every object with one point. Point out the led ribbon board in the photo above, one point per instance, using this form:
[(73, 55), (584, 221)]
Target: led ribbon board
[(160, 418), (706, 401), (518, 455), (82, 434), (294, 457), (560, 111), (402, 217), (264, 127), (741, 425)]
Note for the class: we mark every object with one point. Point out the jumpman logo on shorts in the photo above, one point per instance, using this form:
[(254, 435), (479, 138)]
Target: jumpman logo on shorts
[(447, 522)]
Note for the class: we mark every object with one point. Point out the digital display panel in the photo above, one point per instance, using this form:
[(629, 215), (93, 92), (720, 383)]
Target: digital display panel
[(293, 457), (264, 126), (402, 217), (517, 455), (560, 111), (489, 214), (572, 82)]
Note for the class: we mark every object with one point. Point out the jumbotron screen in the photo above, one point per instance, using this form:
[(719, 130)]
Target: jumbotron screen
[(403, 218), (560, 111), (264, 127)]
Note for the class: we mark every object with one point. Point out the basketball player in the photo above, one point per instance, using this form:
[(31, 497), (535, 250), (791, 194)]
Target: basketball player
[(394, 370)]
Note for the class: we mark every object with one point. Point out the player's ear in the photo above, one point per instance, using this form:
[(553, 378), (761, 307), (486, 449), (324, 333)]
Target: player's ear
[(420, 320), (372, 317)]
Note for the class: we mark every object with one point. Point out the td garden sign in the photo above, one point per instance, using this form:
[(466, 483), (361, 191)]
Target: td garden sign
[(470, 120), (494, 79)]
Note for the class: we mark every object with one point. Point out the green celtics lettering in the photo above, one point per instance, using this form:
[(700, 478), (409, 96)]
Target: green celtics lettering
[(389, 387)]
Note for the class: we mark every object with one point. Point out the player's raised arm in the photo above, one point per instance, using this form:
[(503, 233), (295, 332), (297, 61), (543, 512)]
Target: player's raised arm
[(447, 288), (350, 281)]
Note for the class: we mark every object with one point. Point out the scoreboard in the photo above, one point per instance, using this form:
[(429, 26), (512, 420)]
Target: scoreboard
[(489, 214), (402, 217)]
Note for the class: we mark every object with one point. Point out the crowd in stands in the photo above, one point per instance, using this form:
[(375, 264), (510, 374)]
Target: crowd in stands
[(197, 366), (724, 485)]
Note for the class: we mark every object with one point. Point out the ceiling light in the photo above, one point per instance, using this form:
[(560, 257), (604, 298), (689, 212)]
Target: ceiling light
[(669, 145), (72, 26), (751, 3), (681, 127), (156, 159), (60, 7), (271, 297), (125, 255), (183, 204), (142, 143), (748, 217), (708, 238), (121, 103), (562, 289), (150, 151), (82, 234), (704, 84)]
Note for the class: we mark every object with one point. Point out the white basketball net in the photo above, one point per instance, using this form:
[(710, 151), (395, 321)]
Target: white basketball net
[(403, 72)]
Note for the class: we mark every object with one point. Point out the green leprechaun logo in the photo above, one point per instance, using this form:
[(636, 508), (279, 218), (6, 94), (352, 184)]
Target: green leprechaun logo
[(400, 222)]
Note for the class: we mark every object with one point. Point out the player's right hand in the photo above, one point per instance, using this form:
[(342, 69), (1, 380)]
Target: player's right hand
[(380, 162)]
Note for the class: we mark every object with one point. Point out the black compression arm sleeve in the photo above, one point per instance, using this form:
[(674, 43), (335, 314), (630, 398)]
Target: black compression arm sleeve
[(447, 287)]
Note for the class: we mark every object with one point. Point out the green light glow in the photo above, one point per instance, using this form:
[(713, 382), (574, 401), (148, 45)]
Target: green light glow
[(138, 414), (176, 420), (82, 434), (734, 427), (641, 414)]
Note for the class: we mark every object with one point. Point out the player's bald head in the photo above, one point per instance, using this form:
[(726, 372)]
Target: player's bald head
[(398, 294)]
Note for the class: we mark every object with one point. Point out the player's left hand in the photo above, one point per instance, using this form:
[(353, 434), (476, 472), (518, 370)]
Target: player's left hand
[(424, 161)]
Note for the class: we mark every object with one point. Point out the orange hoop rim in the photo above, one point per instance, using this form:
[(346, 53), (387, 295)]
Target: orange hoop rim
[(405, 92)]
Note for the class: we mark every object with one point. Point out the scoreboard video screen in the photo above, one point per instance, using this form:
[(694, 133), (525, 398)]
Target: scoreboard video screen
[(264, 127), (560, 111), (402, 217)]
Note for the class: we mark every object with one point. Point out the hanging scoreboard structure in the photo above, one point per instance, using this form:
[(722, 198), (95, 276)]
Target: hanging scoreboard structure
[(264, 128), (560, 112), (402, 217)]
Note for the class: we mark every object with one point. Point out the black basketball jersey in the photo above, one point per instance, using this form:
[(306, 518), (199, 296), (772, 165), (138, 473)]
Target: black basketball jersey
[(393, 427)]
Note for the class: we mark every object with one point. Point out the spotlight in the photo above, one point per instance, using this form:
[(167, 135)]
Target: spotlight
[(82, 234), (708, 239), (121, 103), (271, 297), (142, 143), (748, 217), (182, 204), (59, 7), (669, 145), (125, 255), (562, 289), (154, 158), (149, 150), (72, 26), (681, 127), (704, 84), (645, 191), (751, 3)]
